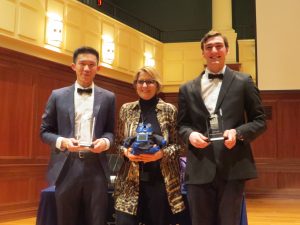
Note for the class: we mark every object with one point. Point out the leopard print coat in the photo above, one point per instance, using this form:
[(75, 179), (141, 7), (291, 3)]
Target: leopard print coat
[(126, 192)]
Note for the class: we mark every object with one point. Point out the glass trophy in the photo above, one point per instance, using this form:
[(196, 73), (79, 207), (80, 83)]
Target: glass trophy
[(85, 132), (215, 128)]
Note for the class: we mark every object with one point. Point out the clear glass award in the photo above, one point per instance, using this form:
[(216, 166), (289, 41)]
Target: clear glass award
[(85, 132), (215, 128)]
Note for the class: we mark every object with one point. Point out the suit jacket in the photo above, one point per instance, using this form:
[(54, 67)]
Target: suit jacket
[(58, 120), (241, 108)]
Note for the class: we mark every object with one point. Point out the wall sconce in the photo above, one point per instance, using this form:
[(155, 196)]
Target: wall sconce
[(149, 61), (54, 30), (108, 49)]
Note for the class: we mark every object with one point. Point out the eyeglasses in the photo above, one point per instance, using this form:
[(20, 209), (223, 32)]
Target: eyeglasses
[(148, 82)]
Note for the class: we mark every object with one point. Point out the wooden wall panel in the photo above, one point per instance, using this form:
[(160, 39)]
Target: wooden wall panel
[(267, 141), (19, 193), (16, 96), (289, 128), (266, 181), (289, 180), (26, 83), (20, 186), (277, 151), (170, 97)]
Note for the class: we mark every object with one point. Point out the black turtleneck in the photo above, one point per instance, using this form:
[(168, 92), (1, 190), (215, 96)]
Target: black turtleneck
[(148, 113), (150, 172)]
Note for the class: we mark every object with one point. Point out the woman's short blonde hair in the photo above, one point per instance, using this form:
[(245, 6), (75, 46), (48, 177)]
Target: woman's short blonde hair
[(152, 72)]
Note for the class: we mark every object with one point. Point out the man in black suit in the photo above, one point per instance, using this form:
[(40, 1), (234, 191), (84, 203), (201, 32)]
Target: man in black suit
[(79, 170), (217, 170)]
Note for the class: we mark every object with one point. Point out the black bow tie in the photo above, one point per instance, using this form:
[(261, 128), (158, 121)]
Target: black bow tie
[(215, 76), (84, 91)]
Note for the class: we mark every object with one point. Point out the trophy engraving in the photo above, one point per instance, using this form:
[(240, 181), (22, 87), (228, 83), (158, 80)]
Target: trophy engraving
[(85, 132), (215, 128)]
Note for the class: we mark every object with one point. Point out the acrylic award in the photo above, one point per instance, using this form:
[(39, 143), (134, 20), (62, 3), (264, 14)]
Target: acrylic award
[(85, 132), (215, 128)]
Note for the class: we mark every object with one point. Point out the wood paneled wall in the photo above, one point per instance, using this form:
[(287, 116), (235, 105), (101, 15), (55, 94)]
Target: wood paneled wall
[(277, 151), (26, 83)]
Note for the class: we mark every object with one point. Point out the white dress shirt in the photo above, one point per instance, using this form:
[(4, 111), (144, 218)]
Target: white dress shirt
[(210, 89), (83, 113)]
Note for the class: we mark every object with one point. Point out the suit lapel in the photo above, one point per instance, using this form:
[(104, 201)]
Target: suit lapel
[(227, 80), (71, 106), (196, 89), (97, 99)]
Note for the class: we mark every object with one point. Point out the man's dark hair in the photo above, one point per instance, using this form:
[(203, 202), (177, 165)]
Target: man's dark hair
[(211, 34), (83, 50)]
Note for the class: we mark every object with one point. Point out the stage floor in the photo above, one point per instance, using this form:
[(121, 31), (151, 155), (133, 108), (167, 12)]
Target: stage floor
[(260, 211)]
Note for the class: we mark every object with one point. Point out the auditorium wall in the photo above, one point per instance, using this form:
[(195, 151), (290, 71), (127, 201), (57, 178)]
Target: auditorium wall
[(26, 83), (24, 29)]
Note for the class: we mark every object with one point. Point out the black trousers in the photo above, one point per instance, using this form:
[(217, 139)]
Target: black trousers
[(216, 203), (153, 206), (81, 191)]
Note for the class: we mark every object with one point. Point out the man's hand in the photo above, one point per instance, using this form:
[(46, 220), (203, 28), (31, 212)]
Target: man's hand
[(229, 138), (70, 144), (198, 140), (99, 146)]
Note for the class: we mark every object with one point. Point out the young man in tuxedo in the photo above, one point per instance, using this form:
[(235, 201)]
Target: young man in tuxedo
[(219, 156), (78, 124)]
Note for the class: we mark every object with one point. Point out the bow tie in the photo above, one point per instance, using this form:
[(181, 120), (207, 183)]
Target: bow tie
[(84, 91), (215, 76)]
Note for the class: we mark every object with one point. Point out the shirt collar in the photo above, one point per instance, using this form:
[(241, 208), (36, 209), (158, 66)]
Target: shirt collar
[(77, 85), (207, 71)]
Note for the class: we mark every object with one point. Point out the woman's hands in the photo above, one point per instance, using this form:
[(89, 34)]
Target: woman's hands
[(143, 157), (131, 157)]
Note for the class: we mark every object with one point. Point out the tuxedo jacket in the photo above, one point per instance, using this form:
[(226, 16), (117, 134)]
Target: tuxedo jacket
[(241, 108), (58, 120)]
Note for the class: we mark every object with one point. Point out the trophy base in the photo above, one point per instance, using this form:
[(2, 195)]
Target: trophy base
[(85, 144), (216, 138)]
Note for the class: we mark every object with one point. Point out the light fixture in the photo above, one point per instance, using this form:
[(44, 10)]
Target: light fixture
[(54, 30), (108, 49), (149, 61)]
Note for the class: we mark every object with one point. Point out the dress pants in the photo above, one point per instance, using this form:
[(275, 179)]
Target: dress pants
[(82, 190), (216, 203), (153, 207)]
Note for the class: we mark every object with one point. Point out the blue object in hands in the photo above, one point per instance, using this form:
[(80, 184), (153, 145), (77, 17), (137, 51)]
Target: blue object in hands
[(145, 142)]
